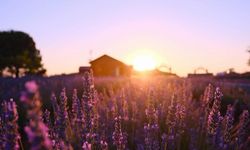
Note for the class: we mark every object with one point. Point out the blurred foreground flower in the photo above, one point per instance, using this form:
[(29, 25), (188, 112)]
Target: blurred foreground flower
[(36, 130)]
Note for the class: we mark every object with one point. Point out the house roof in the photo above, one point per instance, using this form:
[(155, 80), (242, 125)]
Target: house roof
[(109, 57)]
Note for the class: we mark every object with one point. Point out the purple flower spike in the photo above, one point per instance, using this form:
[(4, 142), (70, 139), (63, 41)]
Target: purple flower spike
[(36, 130), (10, 128)]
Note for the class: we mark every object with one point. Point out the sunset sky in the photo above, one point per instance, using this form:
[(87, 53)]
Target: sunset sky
[(181, 34)]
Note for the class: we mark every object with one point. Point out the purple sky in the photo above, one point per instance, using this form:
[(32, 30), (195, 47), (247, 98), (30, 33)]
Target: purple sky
[(181, 34)]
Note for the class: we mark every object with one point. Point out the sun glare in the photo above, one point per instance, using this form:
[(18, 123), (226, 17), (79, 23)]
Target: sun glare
[(144, 63)]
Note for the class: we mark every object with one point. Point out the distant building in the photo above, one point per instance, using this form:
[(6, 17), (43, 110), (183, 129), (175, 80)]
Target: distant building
[(155, 72), (84, 69), (196, 73), (231, 74), (159, 72), (108, 66), (201, 75)]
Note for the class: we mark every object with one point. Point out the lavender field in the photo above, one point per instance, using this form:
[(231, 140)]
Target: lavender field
[(136, 113)]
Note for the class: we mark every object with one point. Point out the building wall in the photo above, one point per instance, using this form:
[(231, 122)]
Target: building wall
[(109, 67)]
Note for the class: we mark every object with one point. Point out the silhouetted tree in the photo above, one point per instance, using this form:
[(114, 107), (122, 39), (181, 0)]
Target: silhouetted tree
[(18, 52)]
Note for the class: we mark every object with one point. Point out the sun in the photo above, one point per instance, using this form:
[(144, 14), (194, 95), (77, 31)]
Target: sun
[(144, 63)]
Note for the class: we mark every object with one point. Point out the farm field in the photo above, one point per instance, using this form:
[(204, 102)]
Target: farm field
[(124, 75), (154, 112)]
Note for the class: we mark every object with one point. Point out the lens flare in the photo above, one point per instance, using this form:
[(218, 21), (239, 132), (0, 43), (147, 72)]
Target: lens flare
[(144, 63)]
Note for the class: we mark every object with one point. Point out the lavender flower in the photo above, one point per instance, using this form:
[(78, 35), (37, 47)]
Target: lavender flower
[(180, 118), (228, 120), (171, 118), (103, 142), (86, 146), (46, 119), (119, 137), (151, 128), (208, 97), (214, 119), (10, 128), (36, 130), (62, 118), (243, 127), (62, 123), (56, 141), (95, 137), (125, 111), (1, 134), (207, 103), (171, 123), (87, 100), (77, 115), (214, 115), (54, 105)]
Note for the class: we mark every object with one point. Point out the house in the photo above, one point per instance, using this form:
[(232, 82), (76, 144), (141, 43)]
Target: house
[(108, 66)]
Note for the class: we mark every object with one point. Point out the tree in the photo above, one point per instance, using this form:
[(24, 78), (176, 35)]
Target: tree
[(18, 53)]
